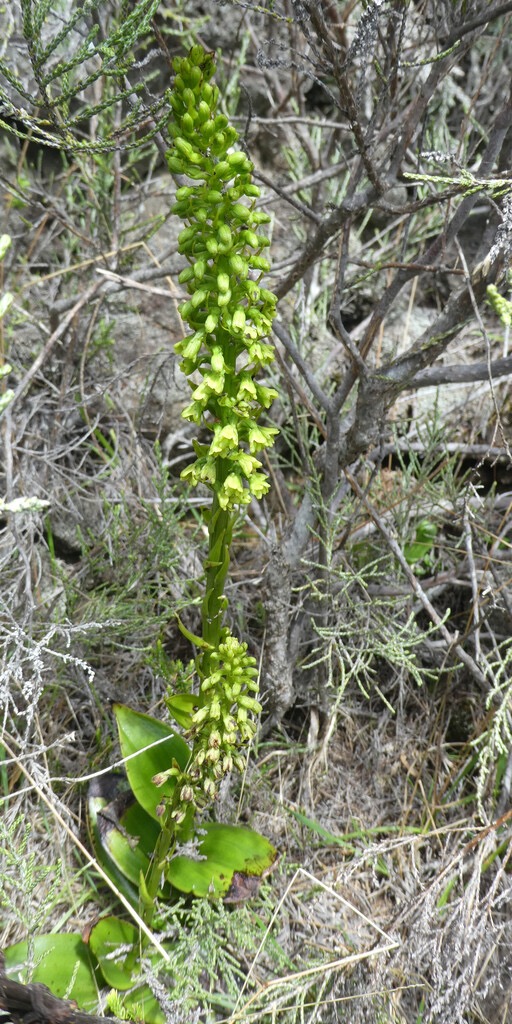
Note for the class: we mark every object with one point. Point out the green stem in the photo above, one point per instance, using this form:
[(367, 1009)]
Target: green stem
[(169, 835), (150, 885), (220, 529), (164, 846)]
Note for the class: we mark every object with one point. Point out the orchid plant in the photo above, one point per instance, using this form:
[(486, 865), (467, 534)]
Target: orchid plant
[(230, 315)]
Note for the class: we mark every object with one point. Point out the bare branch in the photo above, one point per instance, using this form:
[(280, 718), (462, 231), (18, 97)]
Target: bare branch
[(436, 376), (470, 26)]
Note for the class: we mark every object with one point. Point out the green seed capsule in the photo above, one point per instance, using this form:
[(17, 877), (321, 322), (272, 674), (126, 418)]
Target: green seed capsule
[(238, 265), (259, 263), (184, 193), (186, 236), (218, 144), (224, 297), (183, 147), (207, 131), (224, 235), (187, 123), (203, 112), (196, 55), (223, 171), (251, 238), (259, 217), (231, 135), (198, 173), (199, 297), (212, 246), (223, 282), (186, 275), (193, 77), (207, 94), (181, 209), (239, 161), (187, 151), (240, 212), (198, 269), (175, 165), (177, 104), (238, 322), (185, 309), (211, 322)]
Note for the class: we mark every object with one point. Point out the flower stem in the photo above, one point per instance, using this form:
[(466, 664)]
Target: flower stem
[(220, 528)]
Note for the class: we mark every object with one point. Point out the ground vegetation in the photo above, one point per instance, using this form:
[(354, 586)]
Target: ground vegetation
[(370, 584)]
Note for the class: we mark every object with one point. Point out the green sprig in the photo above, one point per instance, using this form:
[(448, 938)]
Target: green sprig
[(501, 305)]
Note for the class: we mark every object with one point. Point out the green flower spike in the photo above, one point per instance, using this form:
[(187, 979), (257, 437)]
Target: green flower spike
[(230, 317), (228, 311)]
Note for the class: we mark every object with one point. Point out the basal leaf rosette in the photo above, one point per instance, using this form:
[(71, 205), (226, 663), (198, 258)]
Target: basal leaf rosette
[(228, 310)]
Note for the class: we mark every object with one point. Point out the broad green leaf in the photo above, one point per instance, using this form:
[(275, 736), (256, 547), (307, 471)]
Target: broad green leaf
[(123, 836), (227, 849), (112, 942), (423, 543), (137, 732), (131, 844), (143, 1006), (63, 963), (181, 707), (139, 833), (199, 877)]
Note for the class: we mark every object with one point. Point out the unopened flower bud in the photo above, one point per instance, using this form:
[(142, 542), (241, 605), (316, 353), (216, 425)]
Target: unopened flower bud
[(209, 788)]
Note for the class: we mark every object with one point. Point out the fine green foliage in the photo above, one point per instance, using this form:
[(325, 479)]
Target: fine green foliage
[(501, 305), (22, 878), (67, 58)]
